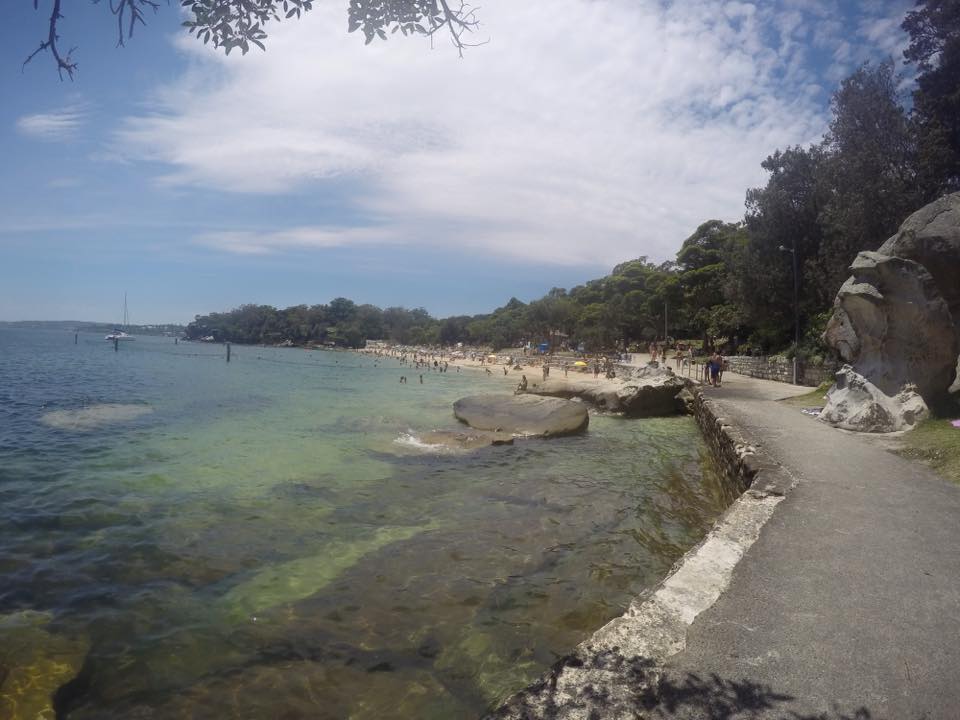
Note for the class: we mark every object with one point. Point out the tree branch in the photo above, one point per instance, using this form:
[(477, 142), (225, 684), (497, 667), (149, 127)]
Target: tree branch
[(462, 20), (63, 63)]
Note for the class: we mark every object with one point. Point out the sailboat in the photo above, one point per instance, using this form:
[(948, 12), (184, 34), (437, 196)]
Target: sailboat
[(117, 333)]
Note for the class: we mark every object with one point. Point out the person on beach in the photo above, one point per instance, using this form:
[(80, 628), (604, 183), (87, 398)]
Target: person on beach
[(421, 379), (522, 385)]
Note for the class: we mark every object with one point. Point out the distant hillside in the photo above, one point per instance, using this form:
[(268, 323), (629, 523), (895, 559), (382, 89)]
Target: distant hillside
[(96, 327)]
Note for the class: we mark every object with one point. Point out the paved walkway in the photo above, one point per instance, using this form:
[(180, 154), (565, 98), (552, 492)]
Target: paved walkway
[(848, 604)]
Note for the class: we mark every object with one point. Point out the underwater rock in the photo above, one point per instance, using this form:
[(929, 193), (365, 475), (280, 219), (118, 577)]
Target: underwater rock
[(305, 689), (456, 440), (296, 579), (94, 416), (522, 414), (34, 663)]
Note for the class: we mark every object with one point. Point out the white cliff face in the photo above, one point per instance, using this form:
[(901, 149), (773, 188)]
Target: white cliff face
[(896, 322)]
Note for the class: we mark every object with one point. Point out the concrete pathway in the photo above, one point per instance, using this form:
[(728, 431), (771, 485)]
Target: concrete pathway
[(848, 604)]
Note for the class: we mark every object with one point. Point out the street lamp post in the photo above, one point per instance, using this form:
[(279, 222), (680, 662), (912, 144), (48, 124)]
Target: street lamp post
[(796, 306)]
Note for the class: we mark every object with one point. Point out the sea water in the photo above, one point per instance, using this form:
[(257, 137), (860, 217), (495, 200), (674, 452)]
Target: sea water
[(183, 537)]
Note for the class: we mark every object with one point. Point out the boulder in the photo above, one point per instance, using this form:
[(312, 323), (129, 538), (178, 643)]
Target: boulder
[(891, 323), (896, 323), (652, 398), (931, 237), (522, 414), (955, 388), (854, 403), (650, 392)]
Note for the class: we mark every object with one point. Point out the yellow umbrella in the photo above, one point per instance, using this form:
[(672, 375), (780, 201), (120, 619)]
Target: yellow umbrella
[(579, 363)]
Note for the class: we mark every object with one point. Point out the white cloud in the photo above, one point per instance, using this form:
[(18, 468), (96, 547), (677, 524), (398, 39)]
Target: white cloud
[(245, 242), (586, 132), (56, 126)]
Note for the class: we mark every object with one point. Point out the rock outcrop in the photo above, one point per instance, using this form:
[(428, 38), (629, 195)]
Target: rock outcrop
[(522, 414), (931, 237), (855, 403), (652, 391), (896, 323)]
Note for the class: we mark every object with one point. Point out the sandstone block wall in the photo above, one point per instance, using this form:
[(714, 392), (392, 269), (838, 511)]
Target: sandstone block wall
[(781, 369)]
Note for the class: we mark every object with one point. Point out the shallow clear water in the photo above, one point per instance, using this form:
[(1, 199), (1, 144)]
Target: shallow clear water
[(261, 539)]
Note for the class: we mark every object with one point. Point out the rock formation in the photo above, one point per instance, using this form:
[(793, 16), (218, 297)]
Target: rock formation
[(651, 392), (522, 414), (896, 323)]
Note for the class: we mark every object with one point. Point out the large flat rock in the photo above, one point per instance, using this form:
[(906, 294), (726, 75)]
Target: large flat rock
[(651, 392), (522, 414)]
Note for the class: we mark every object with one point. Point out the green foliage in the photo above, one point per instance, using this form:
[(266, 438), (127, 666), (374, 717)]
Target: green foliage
[(934, 30), (869, 176)]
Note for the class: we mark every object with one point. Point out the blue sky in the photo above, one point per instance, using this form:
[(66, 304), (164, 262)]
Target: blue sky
[(587, 132)]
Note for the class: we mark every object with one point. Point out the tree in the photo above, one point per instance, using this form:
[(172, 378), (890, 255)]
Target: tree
[(934, 30), (231, 24), (869, 171), (783, 214), (703, 277)]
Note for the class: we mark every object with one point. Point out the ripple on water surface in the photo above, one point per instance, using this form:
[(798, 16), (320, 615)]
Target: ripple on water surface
[(259, 544)]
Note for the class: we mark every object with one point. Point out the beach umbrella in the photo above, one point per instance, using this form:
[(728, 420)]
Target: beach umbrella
[(579, 363)]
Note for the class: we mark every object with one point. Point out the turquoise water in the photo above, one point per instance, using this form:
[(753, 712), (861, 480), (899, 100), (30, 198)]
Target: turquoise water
[(180, 537)]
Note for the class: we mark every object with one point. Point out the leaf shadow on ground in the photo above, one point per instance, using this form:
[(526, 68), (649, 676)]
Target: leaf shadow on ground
[(609, 685)]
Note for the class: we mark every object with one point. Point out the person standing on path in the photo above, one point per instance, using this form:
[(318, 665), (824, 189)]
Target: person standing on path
[(716, 368)]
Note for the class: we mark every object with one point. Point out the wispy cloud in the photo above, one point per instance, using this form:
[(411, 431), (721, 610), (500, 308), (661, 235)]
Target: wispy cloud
[(244, 242), (53, 126), (586, 132)]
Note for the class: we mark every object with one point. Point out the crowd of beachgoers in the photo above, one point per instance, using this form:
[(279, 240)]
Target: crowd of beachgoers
[(523, 361)]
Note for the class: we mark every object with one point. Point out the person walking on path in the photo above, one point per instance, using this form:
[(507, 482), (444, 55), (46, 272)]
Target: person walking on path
[(715, 366)]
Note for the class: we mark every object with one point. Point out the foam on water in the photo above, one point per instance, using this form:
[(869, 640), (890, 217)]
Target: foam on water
[(411, 440)]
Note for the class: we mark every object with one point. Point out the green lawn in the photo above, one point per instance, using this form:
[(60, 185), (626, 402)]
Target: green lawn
[(814, 398), (937, 443), (934, 442)]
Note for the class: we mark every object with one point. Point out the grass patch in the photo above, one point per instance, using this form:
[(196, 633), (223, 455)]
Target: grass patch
[(937, 443), (814, 398)]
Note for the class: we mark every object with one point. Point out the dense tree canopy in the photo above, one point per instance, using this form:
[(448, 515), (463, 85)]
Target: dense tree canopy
[(934, 29)]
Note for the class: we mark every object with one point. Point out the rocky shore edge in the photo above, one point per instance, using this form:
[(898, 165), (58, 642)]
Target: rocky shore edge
[(616, 672)]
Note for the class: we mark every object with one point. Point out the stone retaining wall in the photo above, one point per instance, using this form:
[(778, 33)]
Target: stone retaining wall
[(780, 369), (615, 673), (742, 463)]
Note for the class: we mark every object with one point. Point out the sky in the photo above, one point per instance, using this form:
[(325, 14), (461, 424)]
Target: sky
[(583, 133)]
